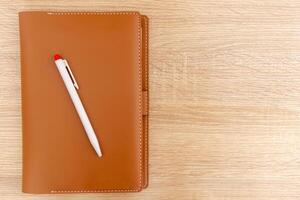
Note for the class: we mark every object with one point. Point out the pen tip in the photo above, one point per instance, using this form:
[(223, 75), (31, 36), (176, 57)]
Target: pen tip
[(99, 154), (57, 57), (98, 151)]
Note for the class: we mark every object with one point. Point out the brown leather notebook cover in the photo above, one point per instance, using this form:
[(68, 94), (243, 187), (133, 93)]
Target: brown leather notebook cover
[(107, 52)]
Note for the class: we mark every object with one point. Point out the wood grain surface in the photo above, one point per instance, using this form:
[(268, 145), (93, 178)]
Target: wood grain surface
[(225, 98)]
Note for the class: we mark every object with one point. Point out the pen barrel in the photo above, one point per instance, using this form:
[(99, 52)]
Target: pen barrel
[(78, 105)]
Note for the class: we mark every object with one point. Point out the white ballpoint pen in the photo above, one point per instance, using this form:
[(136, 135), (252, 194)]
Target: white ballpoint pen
[(71, 84)]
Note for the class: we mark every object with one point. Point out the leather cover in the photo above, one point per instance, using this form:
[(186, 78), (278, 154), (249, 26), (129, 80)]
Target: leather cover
[(108, 55)]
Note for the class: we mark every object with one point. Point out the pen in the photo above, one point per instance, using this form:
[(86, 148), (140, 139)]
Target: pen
[(71, 84)]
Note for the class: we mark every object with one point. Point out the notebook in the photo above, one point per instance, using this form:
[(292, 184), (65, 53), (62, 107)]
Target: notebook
[(107, 52)]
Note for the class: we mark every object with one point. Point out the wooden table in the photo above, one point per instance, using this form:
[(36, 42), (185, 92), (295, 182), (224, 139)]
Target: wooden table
[(225, 98)]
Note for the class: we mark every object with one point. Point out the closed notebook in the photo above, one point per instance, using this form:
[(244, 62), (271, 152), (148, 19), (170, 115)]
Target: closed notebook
[(107, 52)]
